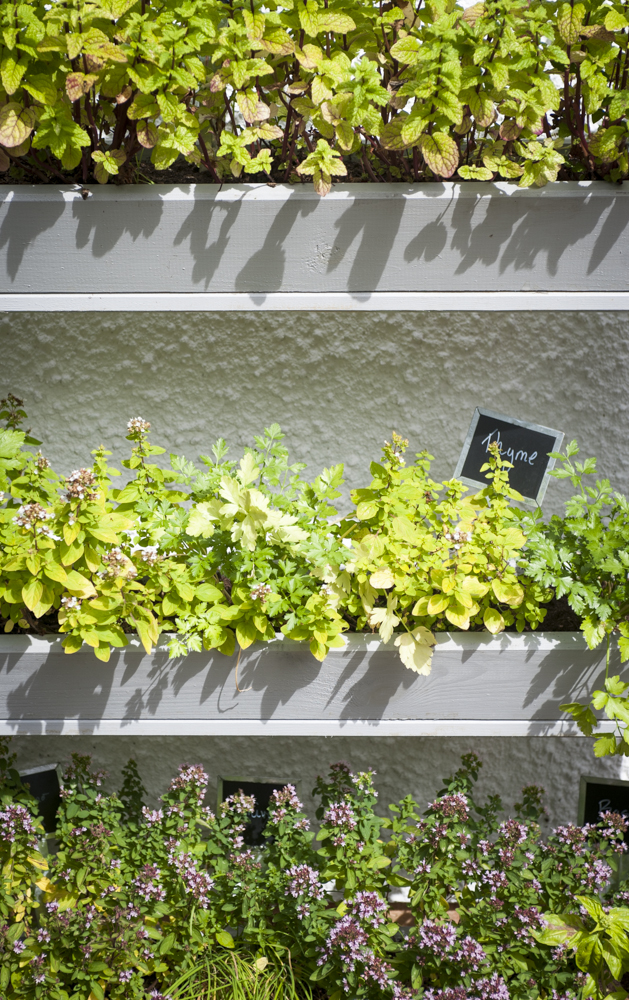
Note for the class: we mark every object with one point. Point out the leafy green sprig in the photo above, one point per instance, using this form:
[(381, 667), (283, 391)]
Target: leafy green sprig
[(584, 556)]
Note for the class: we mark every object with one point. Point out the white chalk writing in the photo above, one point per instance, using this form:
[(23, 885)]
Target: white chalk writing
[(510, 454)]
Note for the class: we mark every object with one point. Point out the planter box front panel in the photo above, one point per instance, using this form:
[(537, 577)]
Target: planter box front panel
[(446, 237), (478, 684)]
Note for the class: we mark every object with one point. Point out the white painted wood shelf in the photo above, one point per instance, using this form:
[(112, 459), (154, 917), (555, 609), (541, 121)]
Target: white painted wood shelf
[(507, 685), (365, 246)]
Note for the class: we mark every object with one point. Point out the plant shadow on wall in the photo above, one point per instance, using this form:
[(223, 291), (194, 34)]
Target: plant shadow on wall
[(359, 250), (230, 554), (574, 675), (208, 252), (514, 231), (19, 232), (104, 230)]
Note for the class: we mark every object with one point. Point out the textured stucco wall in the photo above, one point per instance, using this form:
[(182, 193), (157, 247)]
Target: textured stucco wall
[(337, 382), (404, 765)]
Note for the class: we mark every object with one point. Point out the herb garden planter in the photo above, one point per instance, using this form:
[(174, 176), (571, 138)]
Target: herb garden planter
[(250, 246), (508, 685)]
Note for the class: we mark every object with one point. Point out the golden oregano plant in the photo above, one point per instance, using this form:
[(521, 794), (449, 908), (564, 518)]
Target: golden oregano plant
[(425, 556), (283, 91)]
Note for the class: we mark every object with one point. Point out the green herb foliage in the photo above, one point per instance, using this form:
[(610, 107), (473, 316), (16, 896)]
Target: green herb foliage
[(233, 553), (443, 559), (584, 556), (317, 89), (162, 904)]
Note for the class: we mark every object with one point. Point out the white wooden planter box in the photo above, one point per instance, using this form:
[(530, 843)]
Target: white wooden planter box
[(363, 246), (509, 685)]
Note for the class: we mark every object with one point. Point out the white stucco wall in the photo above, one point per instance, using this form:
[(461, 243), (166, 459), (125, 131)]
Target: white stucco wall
[(404, 765), (338, 384)]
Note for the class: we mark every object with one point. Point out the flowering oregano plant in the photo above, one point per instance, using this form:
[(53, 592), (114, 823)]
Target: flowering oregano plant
[(122, 907)]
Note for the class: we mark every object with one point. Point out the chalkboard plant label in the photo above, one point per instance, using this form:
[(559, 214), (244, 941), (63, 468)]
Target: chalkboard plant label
[(601, 795), (598, 796), (44, 783), (261, 789), (526, 446)]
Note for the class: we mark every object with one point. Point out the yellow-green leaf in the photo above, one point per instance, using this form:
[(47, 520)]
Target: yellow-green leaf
[(406, 530), (440, 153), (225, 938), (437, 603), (382, 579), (615, 21), (458, 615), (246, 633), (32, 592), (416, 649), (79, 585), (54, 571), (570, 21), (494, 622), (508, 593), (16, 124)]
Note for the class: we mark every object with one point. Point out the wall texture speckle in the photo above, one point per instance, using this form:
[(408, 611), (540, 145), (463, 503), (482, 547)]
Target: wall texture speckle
[(404, 765), (337, 382)]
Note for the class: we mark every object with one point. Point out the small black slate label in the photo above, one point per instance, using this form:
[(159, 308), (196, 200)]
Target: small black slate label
[(43, 783), (523, 444), (255, 822), (600, 795)]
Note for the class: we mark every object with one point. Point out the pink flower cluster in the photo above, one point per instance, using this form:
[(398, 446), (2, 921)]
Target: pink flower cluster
[(16, 822), (303, 880), (245, 861), (283, 802), (351, 943), (191, 777), (364, 782), (529, 917), (573, 836), (595, 875), (340, 815), (616, 826), (453, 806), (152, 816), (148, 886), (495, 880), (493, 988), (197, 883), (470, 954), (285, 798), (238, 804), (368, 906), (437, 938), (513, 832)]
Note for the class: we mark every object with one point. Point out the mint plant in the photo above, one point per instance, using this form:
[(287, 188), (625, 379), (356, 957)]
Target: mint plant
[(285, 91)]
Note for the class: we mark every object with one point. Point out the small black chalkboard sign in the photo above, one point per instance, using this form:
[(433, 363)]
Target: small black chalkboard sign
[(523, 444), (599, 795), (261, 789), (43, 783)]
